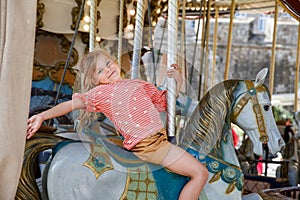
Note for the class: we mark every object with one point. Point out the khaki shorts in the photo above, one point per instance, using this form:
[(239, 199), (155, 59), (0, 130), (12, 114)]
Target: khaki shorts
[(153, 148)]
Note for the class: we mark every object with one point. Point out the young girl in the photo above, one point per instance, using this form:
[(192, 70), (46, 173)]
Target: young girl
[(133, 106)]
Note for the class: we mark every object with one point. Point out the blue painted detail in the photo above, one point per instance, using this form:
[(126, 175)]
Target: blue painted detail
[(169, 184), (62, 144), (48, 85), (252, 91), (229, 174), (100, 162), (185, 106)]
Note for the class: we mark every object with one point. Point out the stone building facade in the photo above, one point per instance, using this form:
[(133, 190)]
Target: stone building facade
[(252, 48)]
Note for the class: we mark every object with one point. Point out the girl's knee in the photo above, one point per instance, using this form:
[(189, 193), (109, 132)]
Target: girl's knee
[(203, 172)]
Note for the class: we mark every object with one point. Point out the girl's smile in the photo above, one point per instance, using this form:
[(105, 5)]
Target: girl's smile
[(107, 71)]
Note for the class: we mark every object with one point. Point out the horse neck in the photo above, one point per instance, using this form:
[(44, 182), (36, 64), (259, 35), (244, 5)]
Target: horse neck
[(209, 124), (228, 150)]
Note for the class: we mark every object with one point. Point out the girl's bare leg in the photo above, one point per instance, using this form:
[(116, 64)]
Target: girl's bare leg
[(181, 162)]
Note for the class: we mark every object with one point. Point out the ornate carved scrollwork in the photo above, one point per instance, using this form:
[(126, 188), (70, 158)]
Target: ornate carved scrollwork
[(27, 188), (51, 51), (75, 13), (40, 10)]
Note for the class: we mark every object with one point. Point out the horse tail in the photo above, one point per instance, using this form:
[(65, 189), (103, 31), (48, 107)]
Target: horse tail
[(27, 187)]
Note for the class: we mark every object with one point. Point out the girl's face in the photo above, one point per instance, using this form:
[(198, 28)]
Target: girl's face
[(106, 71)]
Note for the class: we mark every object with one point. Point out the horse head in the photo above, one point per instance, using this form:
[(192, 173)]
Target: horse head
[(253, 113)]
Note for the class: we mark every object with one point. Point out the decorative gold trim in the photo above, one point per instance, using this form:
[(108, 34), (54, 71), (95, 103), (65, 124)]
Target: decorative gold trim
[(123, 197), (139, 180), (40, 10), (230, 187), (92, 161), (215, 177), (251, 94)]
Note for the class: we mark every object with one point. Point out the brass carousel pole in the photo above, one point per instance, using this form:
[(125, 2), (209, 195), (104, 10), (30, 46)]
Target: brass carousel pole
[(205, 87), (297, 72), (93, 14), (215, 46), (272, 64), (227, 65), (171, 59)]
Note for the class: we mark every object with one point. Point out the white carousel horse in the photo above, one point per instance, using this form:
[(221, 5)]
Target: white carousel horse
[(102, 170)]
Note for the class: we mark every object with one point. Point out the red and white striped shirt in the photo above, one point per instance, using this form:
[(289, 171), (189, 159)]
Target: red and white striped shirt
[(132, 105)]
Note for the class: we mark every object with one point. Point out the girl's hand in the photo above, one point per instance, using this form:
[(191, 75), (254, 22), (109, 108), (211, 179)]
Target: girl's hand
[(33, 124), (175, 72)]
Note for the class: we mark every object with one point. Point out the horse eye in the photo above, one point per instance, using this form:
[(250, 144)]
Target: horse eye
[(266, 107)]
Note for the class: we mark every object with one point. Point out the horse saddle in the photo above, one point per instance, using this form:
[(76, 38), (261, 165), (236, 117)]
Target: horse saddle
[(114, 147)]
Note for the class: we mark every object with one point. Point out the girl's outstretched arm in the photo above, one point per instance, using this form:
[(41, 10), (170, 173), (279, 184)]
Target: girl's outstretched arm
[(35, 122)]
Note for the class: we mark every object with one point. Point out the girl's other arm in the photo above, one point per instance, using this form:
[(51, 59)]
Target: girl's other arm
[(35, 122), (175, 72)]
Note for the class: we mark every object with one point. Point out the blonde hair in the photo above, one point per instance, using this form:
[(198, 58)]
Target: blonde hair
[(86, 72)]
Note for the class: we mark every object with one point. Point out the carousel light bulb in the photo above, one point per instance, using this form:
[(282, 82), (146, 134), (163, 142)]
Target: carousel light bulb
[(86, 27), (98, 38), (130, 27), (153, 23), (158, 11), (86, 19), (89, 3), (132, 12)]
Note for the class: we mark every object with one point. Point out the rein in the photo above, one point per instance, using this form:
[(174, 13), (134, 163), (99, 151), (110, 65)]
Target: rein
[(251, 95)]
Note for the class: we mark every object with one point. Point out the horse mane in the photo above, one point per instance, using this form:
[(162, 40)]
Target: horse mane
[(207, 123)]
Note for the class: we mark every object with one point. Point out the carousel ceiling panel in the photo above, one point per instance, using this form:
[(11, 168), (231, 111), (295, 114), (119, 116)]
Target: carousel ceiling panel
[(261, 6), (108, 23), (57, 16), (253, 6)]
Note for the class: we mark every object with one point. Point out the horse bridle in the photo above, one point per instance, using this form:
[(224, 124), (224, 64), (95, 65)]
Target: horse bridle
[(251, 94)]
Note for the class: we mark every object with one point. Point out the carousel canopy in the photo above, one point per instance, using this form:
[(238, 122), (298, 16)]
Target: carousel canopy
[(60, 16)]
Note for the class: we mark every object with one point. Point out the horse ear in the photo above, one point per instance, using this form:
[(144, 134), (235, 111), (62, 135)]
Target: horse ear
[(261, 76)]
